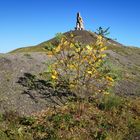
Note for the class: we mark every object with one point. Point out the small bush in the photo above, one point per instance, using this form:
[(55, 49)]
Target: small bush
[(82, 68)]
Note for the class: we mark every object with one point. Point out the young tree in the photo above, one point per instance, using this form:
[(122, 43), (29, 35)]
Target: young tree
[(81, 67)]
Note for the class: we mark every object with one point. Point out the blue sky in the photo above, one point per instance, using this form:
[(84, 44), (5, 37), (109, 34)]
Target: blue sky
[(29, 22)]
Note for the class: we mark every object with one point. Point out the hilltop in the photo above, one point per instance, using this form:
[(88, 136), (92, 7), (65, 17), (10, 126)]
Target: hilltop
[(85, 37), (19, 67)]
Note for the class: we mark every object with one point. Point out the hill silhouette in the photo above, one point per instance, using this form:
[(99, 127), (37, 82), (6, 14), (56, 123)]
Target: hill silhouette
[(21, 90)]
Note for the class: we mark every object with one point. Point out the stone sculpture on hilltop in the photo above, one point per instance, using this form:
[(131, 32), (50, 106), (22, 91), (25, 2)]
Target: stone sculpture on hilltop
[(79, 23)]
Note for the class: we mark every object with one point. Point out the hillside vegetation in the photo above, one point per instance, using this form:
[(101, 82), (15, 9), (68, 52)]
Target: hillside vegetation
[(112, 118)]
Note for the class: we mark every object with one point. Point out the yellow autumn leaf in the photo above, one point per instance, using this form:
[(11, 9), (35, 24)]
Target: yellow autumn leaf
[(58, 48), (95, 51), (94, 57), (109, 78), (77, 50), (71, 35), (103, 55), (62, 40), (102, 49), (110, 83), (89, 72), (61, 61), (54, 77), (99, 37), (101, 44), (89, 47), (90, 62), (71, 66), (99, 41), (106, 93), (55, 72), (71, 45), (72, 85), (65, 43)]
